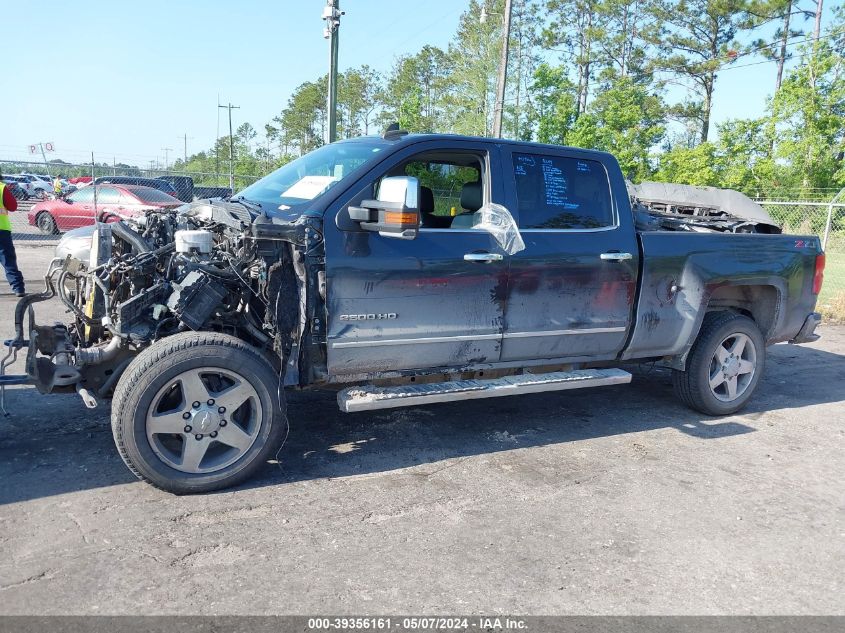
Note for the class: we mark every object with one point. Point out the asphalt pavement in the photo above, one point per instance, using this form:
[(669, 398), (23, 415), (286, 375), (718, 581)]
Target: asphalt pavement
[(615, 500)]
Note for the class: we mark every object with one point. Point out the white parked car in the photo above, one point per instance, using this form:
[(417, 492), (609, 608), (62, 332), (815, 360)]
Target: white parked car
[(35, 186)]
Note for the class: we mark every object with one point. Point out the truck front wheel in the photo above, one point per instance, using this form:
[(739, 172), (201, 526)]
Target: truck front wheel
[(724, 365), (197, 412)]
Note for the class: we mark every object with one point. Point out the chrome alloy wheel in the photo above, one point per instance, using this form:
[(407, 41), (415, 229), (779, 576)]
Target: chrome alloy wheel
[(204, 420), (732, 367)]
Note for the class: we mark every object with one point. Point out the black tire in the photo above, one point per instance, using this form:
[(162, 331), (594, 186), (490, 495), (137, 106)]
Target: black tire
[(46, 223), (693, 385), (162, 363)]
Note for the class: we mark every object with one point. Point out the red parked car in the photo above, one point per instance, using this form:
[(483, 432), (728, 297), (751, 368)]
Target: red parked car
[(113, 202)]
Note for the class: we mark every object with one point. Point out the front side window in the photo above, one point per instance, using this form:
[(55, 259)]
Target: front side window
[(107, 195), (451, 186), (82, 196), (446, 180), (556, 192)]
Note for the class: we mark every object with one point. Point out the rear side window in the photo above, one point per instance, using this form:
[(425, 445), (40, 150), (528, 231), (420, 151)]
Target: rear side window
[(150, 195), (556, 192)]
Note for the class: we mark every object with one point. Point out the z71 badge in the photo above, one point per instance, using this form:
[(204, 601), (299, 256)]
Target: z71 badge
[(368, 317)]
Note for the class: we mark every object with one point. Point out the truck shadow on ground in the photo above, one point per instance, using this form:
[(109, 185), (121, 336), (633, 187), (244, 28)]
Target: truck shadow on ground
[(59, 447)]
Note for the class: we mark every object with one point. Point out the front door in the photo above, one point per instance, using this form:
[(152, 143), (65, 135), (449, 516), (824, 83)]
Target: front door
[(76, 209), (396, 304), (572, 288)]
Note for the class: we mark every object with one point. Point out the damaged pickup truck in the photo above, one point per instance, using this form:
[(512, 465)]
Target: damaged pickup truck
[(403, 270)]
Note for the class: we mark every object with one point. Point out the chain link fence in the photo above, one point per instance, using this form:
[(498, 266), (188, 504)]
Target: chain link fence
[(29, 223), (827, 221)]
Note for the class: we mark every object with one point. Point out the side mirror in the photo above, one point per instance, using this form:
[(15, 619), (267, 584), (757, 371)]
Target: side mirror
[(396, 212)]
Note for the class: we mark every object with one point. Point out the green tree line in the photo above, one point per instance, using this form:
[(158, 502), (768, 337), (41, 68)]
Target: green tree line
[(633, 77)]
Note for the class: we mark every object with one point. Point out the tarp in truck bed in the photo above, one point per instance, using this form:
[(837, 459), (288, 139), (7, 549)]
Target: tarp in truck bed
[(727, 201)]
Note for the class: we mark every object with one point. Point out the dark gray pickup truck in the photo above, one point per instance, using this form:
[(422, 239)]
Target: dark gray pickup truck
[(404, 270)]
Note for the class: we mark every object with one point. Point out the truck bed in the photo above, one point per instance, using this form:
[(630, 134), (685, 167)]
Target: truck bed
[(685, 273)]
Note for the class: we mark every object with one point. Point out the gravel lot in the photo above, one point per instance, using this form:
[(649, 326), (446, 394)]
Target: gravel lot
[(615, 500)]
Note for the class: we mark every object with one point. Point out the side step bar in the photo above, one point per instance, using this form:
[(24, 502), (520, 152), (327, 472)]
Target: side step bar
[(8, 381), (367, 398)]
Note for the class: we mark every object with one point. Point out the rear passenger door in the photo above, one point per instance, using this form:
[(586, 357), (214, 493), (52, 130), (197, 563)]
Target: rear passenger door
[(571, 291), (108, 201), (91, 206)]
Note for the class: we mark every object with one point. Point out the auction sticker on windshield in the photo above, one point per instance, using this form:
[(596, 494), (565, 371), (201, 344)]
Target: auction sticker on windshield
[(309, 187)]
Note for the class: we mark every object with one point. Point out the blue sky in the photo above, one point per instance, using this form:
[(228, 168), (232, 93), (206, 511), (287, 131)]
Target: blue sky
[(126, 79)]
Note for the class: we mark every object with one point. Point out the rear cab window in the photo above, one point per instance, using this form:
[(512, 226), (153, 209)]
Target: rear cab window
[(562, 192)]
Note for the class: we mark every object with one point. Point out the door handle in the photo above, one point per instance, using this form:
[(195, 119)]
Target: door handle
[(616, 257), (486, 258)]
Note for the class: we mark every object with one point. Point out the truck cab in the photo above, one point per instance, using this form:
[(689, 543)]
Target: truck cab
[(452, 297)]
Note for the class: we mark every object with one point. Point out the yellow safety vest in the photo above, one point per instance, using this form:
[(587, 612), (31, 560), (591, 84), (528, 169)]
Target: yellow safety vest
[(5, 224)]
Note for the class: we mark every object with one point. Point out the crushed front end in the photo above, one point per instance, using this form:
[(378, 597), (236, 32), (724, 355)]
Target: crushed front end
[(208, 266)]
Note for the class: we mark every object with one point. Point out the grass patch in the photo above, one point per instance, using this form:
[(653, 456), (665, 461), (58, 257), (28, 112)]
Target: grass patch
[(831, 302)]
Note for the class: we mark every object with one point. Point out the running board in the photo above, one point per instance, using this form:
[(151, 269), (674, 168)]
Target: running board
[(367, 398), (8, 381)]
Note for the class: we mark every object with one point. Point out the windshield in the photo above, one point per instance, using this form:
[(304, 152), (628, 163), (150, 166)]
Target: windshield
[(309, 176)]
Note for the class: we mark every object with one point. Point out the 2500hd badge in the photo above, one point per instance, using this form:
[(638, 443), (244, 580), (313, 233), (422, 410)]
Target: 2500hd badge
[(368, 317)]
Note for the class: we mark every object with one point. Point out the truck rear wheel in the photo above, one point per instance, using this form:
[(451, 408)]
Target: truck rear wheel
[(724, 365), (197, 412)]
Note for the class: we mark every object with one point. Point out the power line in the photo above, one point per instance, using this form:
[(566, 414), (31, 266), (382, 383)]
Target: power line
[(415, 36), (803, 41), (769, 61)]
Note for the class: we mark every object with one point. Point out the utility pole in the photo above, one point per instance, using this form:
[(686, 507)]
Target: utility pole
[(166, 151), (93, 178), (230, 107), (217, 145), (331, 15), (185, 138), (503, 71)]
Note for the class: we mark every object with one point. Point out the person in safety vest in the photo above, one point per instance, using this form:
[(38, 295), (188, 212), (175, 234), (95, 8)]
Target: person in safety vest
[(7, 249), (57, 187)]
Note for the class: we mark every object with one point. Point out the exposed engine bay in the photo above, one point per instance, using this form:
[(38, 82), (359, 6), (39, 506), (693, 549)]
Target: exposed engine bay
[(221, 266), (660, 206)]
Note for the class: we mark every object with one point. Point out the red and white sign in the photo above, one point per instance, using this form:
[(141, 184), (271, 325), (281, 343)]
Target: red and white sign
[(48, 147), (33, 149)]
